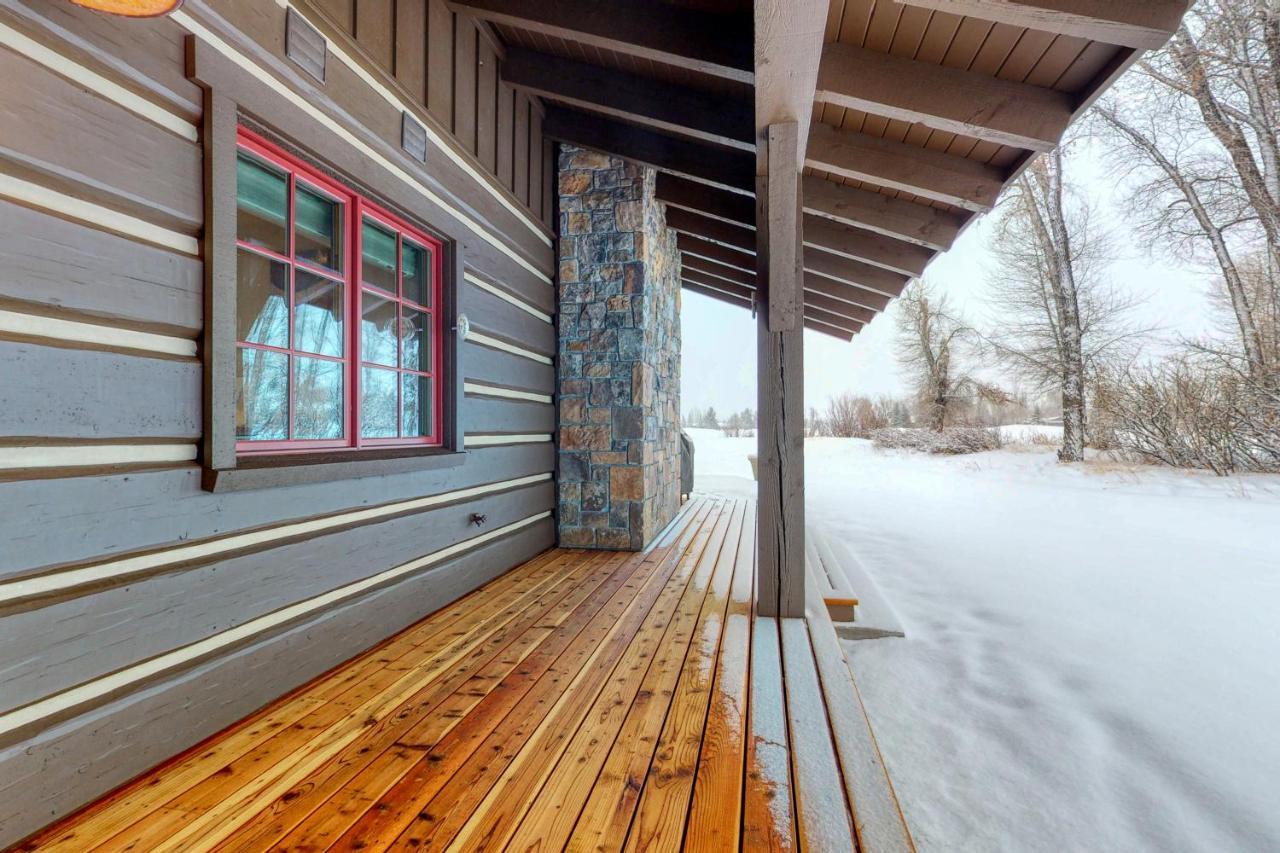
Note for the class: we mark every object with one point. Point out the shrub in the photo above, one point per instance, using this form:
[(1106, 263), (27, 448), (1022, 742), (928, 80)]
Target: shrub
[(1198, 411), (952, 441)]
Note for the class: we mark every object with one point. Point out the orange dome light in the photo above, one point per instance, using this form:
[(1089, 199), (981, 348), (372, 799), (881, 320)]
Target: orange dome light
[(131, 8)]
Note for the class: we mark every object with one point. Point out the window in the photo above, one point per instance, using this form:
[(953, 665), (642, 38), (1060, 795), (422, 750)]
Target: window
[(337, 314)]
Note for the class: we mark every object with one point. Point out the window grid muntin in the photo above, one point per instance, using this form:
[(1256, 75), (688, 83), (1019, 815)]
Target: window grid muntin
[(355, 209)]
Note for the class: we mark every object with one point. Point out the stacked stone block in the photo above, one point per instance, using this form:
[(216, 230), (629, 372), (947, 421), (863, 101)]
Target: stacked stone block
[(619, 356)]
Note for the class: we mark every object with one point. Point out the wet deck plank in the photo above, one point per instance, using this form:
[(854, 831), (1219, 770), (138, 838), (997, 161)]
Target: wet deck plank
[(584, 700)]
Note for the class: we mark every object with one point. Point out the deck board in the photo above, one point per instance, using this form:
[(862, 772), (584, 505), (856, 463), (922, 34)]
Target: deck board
[(583, 701)]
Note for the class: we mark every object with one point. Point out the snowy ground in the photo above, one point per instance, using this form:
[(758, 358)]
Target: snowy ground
[(1092, 658)]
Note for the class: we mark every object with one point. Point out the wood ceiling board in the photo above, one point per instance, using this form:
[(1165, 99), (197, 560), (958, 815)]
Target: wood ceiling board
[(711, 44), (923, 172), (922, 224), (664, 106), (962, 102), (1144, 24)]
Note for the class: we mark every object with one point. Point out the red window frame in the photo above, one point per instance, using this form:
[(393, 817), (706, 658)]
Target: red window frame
[(356, 209)]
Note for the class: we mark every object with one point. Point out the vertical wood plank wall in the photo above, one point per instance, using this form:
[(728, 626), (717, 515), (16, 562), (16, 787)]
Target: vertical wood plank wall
[(139, 613)]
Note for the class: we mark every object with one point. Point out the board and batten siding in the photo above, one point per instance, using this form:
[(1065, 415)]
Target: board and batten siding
[(140, 613)]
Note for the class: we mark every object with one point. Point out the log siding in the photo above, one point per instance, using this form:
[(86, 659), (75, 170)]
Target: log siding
[(130, 596)]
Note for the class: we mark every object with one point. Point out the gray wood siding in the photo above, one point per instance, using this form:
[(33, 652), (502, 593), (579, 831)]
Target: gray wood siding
[(69, 385)]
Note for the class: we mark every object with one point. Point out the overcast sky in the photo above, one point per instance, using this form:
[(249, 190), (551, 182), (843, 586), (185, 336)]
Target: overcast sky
[(719, 340)]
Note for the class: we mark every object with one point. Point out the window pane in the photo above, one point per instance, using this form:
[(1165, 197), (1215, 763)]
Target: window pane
[(378, 403), (416, 274), (317, 407), (262, 205), (262, 300), (378, 329), (317, 314), (379, 249), (317, 226), (415, 406), (262, 395), (415, 340)]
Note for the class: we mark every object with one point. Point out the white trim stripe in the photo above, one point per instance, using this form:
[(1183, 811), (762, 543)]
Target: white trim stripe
[(108, 684), (484, 340), (92, 455), (95, 82), (36, 195), (510, 393), (200, 31), (502, 294), (495, 440), (124, 567), (39, 326)]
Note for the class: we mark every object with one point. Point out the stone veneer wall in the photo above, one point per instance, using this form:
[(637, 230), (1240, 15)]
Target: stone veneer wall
[(619, 355)]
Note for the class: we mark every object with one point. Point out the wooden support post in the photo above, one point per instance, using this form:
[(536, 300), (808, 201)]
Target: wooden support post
[(780, 380)]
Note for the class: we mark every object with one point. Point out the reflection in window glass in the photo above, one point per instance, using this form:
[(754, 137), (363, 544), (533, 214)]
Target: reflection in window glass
[(378, 247), (317, 406), (415, 406), (262, 205), (416, 275), (317, 229), (415, 340), (262, 300), (262, 395), (378, 403), (317, 314), (378, 330)]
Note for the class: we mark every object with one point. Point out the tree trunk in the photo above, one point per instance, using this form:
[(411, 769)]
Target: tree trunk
[(1251, 339), (1045, 211)]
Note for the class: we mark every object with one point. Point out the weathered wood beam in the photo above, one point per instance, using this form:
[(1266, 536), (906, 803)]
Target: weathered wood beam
[(705, 280), (642, 100), (812, 300), (716, 230), (809, 323), (696, 161), (858, 299), (897, 165), (860, 244), (1144, 24), (701, 248), (820, 236), (699, 41), (950, 99), (845, 292), (856, 272), (717, 269), (699, 198), (893, 217)]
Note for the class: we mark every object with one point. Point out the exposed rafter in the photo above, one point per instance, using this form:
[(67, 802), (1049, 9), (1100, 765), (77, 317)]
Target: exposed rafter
[(697, 161), (893, 217), (1144, 24), (641, 100), (718, 204), (850, 316), (950, 99), (699, 41), (896, 165), (860, 244), (809, 323), (852, 294), (698, 247)]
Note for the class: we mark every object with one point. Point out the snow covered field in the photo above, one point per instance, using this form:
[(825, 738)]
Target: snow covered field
[(1092, 658)]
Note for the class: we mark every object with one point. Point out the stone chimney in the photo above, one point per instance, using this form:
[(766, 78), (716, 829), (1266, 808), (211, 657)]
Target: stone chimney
[(619, 356)]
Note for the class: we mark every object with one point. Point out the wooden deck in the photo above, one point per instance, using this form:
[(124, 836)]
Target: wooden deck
[(584, 700)]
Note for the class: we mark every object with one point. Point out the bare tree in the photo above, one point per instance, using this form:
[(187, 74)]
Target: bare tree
[(1197, 129), (928, 339), (1050, 295)]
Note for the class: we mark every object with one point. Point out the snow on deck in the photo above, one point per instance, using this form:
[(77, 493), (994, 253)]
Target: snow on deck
[(1092, 658)]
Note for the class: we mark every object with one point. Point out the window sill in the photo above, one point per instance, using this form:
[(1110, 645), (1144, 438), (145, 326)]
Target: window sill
[(272, 471)]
